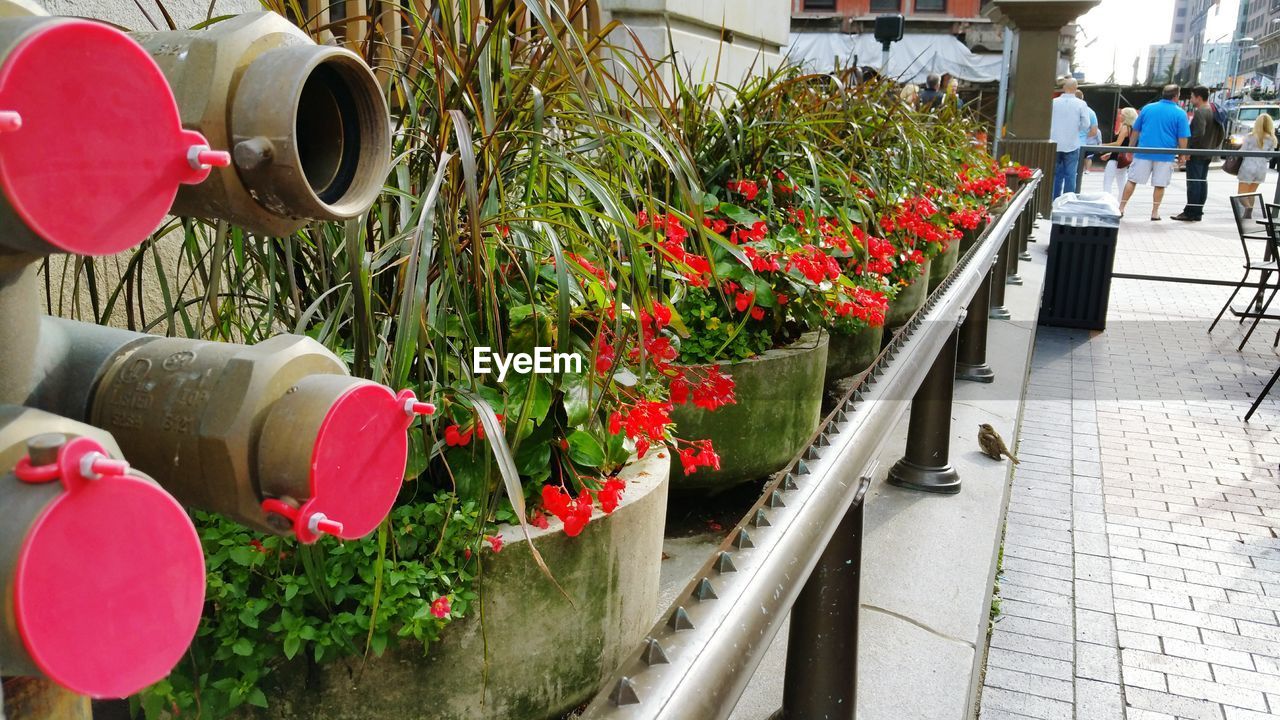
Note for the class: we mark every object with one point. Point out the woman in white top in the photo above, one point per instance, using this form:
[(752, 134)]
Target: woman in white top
[(1114, 173), (1253, 170)]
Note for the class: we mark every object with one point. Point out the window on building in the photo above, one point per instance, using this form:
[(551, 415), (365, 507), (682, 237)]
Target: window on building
[(814, 5), (886, 6), (931, 5)]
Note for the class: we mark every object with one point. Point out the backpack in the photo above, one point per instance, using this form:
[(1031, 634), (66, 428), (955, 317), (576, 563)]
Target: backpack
[(1220, 118)]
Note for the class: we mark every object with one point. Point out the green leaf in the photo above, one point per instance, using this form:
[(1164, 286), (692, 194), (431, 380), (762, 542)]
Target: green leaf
[(533, 458), (257, 698), (242, 647), (585, 450), (577, 398), (740, 215)]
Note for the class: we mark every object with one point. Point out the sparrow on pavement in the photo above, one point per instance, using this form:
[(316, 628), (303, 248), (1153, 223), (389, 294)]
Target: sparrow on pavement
[(992, 445)]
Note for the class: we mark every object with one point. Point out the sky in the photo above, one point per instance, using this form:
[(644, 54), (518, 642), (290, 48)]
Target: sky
[(1117, 32)]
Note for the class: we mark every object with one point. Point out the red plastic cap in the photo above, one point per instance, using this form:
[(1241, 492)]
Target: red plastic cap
[(100, 151), (109, 585), (357, 466)]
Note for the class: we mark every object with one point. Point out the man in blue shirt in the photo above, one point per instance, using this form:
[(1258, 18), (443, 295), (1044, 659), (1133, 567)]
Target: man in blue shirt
[(1161, 124)]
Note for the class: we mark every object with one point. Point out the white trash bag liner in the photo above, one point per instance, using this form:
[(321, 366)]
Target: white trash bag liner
[(1086, 210)]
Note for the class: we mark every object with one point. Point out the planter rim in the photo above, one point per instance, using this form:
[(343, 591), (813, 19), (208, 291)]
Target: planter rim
[(642, 475)]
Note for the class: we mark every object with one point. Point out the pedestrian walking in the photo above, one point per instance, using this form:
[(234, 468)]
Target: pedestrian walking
[(1069, 121), (1161, 124), (1117, 168), (1206, 134), (1253, 170)]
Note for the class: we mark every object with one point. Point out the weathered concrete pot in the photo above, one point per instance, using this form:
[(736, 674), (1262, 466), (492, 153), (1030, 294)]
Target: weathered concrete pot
[(545, 655), (848, 355), (941, 266), (909, 300), (779, 404), (969, 238)]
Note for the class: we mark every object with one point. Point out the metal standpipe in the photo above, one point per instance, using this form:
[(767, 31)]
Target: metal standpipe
[(997, 310), (971, 355), (1024, 238), (822, 644), (1012, 251), (797, 549), (927, 464)]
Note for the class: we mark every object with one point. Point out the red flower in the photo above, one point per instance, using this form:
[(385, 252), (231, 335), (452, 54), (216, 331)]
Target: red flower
[(696, 454), (611, 493), (757, 313), (539, 520), (746, 188), (440, 607), (719, 226), (743, 300), (574, 512), (645, 422), (453, 437), (495, 542)]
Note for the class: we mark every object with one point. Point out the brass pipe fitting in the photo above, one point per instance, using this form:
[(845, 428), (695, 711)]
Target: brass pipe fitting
[(276, 435), (308, 126), (101, 572)]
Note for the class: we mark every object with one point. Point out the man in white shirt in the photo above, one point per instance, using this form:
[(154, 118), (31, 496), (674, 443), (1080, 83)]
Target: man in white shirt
[(1070, 121)]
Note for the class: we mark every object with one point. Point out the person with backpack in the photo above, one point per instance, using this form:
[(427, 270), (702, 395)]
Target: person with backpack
[(1208, 130)]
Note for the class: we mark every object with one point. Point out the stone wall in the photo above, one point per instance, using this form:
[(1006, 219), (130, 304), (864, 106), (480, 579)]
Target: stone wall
[(723, 40), (126, 13)]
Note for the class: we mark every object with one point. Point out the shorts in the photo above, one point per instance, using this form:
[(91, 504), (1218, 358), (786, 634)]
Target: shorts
[(1159, 174)]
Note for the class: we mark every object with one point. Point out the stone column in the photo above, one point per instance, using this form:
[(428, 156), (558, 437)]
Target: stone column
[(1034, 72)]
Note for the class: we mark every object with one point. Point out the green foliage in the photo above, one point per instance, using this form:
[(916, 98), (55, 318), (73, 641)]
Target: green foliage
[(272, 599)]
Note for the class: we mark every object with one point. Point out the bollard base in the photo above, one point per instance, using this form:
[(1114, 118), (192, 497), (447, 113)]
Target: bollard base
[(1013, 280), (975, 373), (943, 480), (1024, 255), (999, 312)]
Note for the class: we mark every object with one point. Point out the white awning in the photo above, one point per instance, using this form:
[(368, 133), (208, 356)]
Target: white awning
[(910, 59)]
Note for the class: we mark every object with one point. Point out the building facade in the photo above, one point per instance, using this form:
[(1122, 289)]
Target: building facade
[(960, 18), (1189, 20), (1178, 34), (1215, 64), (1163, 63), (1260, 44)]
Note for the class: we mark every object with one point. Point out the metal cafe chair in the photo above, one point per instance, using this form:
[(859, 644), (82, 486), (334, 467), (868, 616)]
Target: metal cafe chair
[(1264, 267)]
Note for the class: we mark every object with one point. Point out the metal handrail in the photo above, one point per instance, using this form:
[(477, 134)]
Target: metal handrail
[(697, 660), (1191, 152)]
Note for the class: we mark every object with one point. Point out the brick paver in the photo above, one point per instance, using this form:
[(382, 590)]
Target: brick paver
[(1141, 571)]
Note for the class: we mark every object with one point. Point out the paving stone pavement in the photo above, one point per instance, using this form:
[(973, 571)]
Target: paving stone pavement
[(1141, 568)]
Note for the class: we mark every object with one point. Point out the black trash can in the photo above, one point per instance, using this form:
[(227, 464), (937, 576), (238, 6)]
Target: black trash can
[(1082, 251)]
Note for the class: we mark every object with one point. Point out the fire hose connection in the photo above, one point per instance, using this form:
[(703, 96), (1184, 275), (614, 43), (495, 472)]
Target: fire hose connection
[(102, 570)]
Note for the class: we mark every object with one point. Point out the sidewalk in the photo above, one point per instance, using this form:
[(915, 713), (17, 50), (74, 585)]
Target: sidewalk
[(1141, 570)]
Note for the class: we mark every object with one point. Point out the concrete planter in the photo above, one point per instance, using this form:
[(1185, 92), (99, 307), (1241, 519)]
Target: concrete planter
[(848, 355), (971, 237), (909, 300), (941, 266), (545, 655), (779, 405)]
